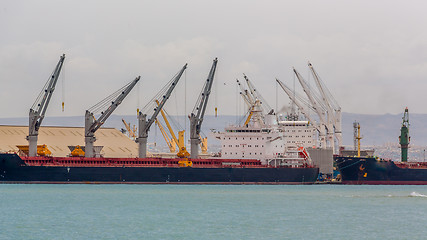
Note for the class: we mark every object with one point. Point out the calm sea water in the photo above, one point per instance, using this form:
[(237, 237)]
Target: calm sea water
[(212, 212)]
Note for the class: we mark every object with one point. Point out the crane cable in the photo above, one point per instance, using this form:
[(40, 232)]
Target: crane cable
[(36, 105), (185, 102), (138, 102), (277, 99), (63, 89), (216, 94), (237, 104)]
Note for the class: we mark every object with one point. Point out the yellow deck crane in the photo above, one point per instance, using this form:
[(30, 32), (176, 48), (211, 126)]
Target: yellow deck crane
[(254, 113), (131, 132), (182, 150), (170, 142), (204, 145)]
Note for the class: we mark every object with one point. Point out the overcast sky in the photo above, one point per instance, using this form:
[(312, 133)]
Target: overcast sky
[(372, 55)]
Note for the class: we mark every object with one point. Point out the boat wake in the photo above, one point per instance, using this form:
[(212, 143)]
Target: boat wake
[(415, 194), (412, 194)]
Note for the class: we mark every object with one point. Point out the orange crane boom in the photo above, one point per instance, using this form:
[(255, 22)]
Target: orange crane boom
[(182, 150), (170, 142), (128, 128)]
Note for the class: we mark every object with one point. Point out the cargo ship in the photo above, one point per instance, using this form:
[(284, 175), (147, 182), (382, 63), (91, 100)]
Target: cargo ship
[(16, 169), (375, 171), (269, 164), (250, 155)]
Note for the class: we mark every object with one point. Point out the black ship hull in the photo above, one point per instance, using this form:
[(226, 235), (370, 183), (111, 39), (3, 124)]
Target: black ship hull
[(14, 170), (369, 170)]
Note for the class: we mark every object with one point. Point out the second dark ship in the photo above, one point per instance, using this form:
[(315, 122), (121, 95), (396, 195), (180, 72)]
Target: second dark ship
[(373, 170)]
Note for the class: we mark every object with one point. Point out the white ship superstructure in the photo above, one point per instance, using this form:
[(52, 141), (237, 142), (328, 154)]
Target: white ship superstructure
[(266, 143), (250, 142), (298, 133)]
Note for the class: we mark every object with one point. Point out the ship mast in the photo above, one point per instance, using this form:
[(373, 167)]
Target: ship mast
[(358, 138), (404, 137)]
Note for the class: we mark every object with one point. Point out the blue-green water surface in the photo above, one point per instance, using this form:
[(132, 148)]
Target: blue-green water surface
[(212, 212)]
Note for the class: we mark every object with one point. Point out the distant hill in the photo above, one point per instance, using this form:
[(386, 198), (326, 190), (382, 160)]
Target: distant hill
[(375, 129)]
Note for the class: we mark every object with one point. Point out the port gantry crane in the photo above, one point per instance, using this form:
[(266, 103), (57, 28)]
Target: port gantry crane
[(333, 108), (299, 101), (92, 124), (196, 117), (144, 125), (38, 110)]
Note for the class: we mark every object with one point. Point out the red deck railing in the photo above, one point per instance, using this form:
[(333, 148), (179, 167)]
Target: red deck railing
[(412, 165), (136, 162), (142, 162)]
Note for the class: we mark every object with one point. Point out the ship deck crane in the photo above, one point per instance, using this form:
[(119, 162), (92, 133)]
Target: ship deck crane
[(317, 107), (144, 125), (196, 117), (182, 150), (204, 145), (333, 108), (250, 102), (298, 100), (173, 141), (253, 103), (257, 96), (92, 124), (170, 142), (38, 110), (129, 129), (247, 100)]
